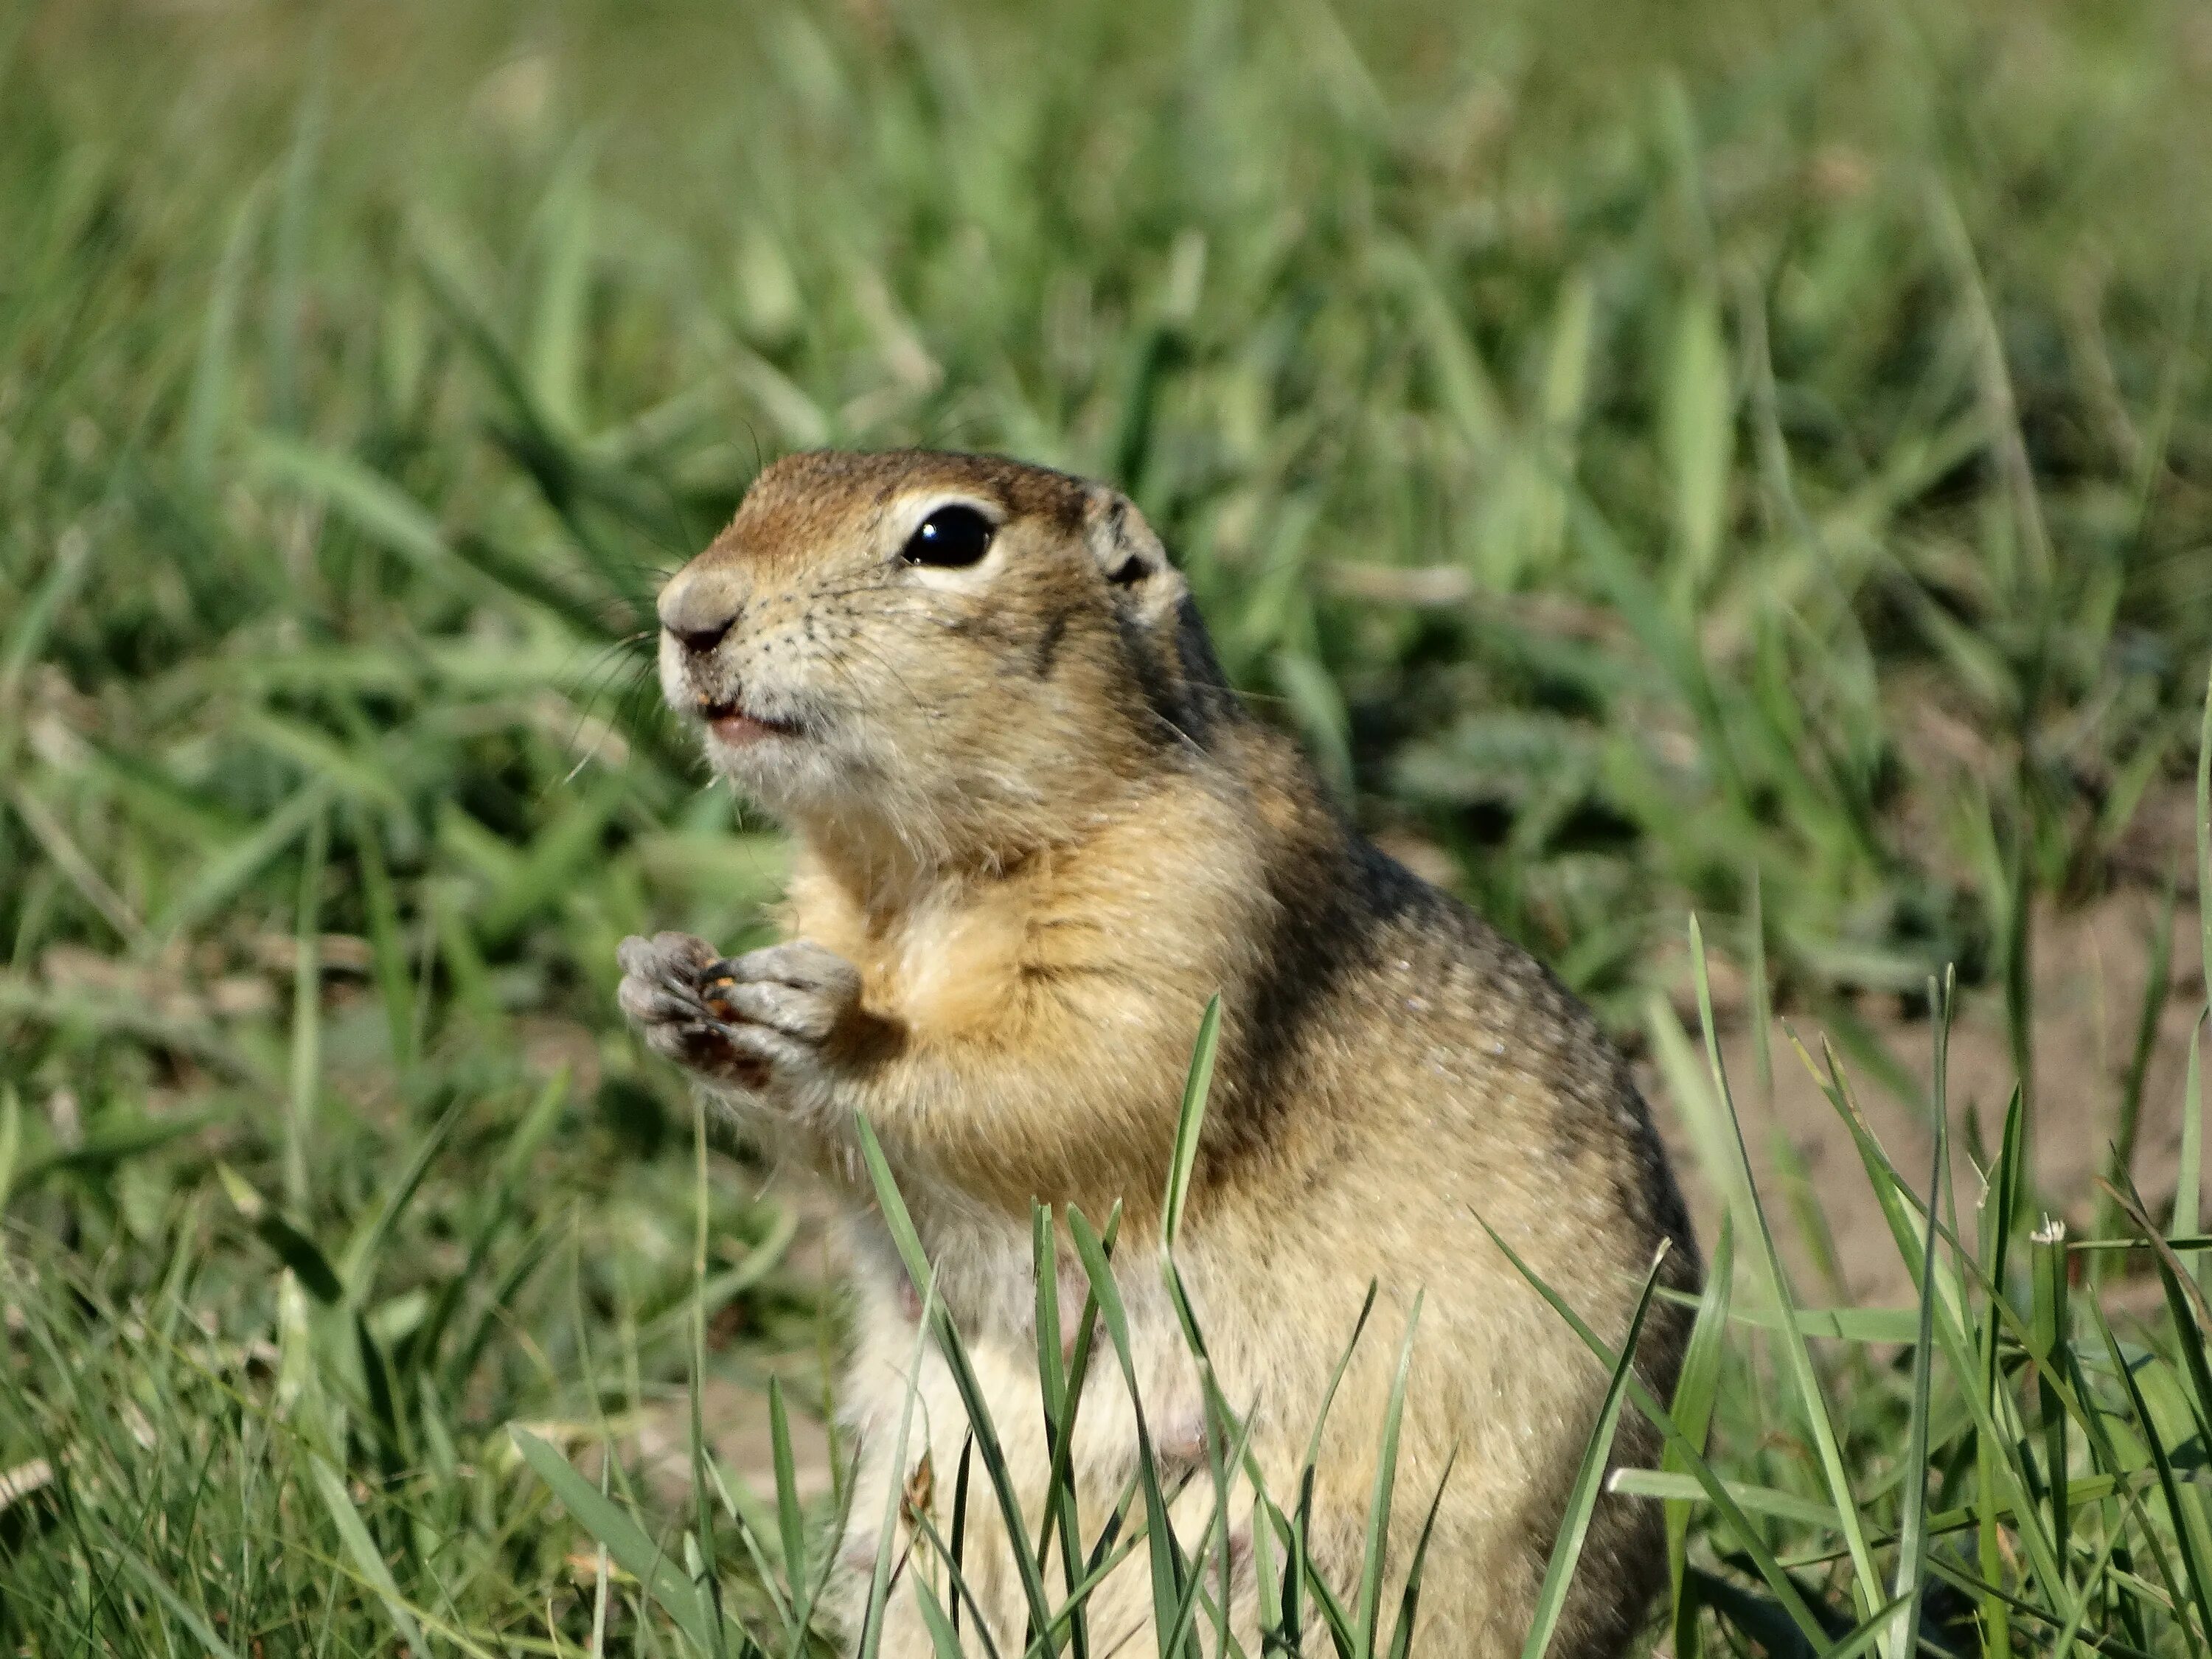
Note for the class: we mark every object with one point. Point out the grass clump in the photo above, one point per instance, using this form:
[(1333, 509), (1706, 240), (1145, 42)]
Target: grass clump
[(1994, 1468)]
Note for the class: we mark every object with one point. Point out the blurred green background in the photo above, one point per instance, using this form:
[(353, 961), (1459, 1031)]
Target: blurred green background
[(1740, 458)]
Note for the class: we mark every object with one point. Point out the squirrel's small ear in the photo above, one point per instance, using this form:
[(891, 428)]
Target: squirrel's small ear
[(1130, 556)]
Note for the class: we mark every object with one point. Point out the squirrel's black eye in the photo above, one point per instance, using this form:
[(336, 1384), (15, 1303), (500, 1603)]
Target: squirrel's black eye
[(950, 536)]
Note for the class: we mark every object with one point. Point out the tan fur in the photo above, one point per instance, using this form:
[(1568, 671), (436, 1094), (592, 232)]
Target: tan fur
[(1032, 817)]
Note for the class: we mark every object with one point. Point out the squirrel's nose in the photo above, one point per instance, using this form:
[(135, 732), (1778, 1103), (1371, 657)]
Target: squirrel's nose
[(697, 614), (700, 640)]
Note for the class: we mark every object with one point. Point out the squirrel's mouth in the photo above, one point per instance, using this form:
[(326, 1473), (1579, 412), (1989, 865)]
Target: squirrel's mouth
[(734, 727)]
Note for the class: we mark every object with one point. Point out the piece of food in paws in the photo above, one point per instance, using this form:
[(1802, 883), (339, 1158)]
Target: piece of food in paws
[(716, 980)]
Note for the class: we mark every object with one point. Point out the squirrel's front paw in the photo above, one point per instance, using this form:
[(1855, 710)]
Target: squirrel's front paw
[(661, 994), (798, 990), (757, 1022)]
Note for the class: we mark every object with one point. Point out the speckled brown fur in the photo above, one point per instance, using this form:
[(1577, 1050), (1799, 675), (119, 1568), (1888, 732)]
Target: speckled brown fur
[(1035, 833)]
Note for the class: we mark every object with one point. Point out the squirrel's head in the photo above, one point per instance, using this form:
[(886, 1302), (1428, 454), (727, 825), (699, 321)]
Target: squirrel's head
[(962, 653)]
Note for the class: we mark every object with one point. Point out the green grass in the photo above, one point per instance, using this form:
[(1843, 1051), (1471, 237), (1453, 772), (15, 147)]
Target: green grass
[(1662, 459)]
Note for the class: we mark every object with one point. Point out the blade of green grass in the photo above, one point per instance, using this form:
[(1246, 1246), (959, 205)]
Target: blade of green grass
[(706, 1582), (1797, 1359), (367, 1559), (1582, 1495), (1190, 1120), (181, 1610), (2199, 1587), (1677, 1488), (1409, 1599), (1749, 1537), (1163, 1552), (1911, 1566), (11, 1141), (2053, 1331), (1369, 1613), (900, 1224), (871, 1636), (1696, 1392), (659, 1573), (2130, 1119)]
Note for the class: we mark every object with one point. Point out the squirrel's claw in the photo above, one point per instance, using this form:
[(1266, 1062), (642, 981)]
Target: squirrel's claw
[(659, 995), (756, 1022), (797, 989)]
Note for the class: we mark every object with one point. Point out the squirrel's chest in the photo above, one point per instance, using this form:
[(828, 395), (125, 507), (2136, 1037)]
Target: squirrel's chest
[(942, 965)]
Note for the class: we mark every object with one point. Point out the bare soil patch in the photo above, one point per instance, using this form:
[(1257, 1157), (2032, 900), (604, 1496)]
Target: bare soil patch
[(2092, 969)]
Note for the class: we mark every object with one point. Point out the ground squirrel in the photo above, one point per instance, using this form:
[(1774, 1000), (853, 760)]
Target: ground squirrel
[(1035, 831)]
